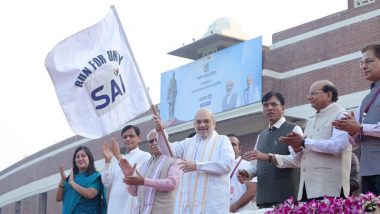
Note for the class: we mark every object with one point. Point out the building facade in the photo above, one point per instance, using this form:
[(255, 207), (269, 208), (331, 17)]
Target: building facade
[(326, 48)]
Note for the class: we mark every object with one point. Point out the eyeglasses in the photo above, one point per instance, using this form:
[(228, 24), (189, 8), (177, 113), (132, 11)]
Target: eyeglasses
[(206, 121), (366, 62), (152, 141), (313, 93)]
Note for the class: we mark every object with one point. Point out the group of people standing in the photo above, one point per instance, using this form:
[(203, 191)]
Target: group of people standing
[(319, 162), (207, 174)]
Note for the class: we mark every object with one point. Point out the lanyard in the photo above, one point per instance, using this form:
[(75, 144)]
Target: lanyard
[(237, 164), (369, 105)]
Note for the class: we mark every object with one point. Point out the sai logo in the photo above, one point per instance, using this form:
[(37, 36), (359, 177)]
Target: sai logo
[(106, 88)]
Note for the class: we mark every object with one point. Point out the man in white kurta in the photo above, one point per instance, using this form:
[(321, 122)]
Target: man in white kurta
[(241, 195), (207, 161), (120, 201)]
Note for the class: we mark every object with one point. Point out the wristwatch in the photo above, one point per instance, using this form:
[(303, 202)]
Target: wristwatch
[(361, 128), (270, 157)]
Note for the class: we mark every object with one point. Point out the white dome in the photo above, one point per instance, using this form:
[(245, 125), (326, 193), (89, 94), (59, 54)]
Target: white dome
[(225, 26)]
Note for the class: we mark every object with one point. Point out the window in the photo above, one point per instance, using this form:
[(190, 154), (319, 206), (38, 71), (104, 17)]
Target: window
[(359, 3), (42, 203), (18, 207)]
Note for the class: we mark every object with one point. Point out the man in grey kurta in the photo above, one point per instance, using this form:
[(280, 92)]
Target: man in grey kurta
[(365, 126)]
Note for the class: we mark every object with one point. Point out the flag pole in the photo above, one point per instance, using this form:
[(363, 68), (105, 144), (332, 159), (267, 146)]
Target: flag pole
[(143, 83)]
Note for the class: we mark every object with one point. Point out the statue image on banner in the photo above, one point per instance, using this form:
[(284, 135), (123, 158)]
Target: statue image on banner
[(171, 97)]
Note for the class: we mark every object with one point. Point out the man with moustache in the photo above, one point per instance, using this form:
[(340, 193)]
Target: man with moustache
[(120, 201), (274, 184), (326, 151), (207, 161), (155, 182)]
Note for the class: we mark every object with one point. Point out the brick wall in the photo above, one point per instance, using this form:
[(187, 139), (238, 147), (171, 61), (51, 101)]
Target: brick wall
[(9, 209), (331, 19), (346, 76), (323, 47)]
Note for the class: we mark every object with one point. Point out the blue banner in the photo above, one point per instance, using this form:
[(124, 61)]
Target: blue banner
[(221, 81)]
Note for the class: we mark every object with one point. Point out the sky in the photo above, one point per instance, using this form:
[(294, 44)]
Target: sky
[(30, 114)]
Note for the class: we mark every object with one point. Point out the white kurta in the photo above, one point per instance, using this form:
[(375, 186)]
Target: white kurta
[(120, 201), (237, 189), (207, 189)]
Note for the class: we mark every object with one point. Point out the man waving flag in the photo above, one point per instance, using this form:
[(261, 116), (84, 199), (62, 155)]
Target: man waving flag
[(97, 80)]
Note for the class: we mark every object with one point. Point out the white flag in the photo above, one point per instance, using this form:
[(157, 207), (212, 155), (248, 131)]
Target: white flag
[(96, 79)]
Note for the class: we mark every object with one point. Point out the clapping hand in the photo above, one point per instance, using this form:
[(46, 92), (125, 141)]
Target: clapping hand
[(111, 150), (115, 148), (107, 153), (292, 139), (62, 172), (348, 124), (126, 167), (134, 180)]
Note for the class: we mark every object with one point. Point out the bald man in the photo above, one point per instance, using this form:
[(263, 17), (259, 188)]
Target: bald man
[(326, 151), (207, 161)]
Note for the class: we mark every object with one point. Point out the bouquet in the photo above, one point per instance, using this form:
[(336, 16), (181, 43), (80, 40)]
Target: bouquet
[(363, 203)]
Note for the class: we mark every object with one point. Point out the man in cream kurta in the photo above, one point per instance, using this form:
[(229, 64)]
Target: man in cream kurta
[(326, 156), (207, 161), (120, 201)]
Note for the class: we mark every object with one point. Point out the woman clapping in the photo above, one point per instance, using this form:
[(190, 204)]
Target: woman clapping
[(83, 190)]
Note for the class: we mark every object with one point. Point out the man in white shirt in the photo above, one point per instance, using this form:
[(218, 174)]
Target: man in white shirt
[(120, 201), (207, 161), (274, 185), (326, 151), (241, 195)]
